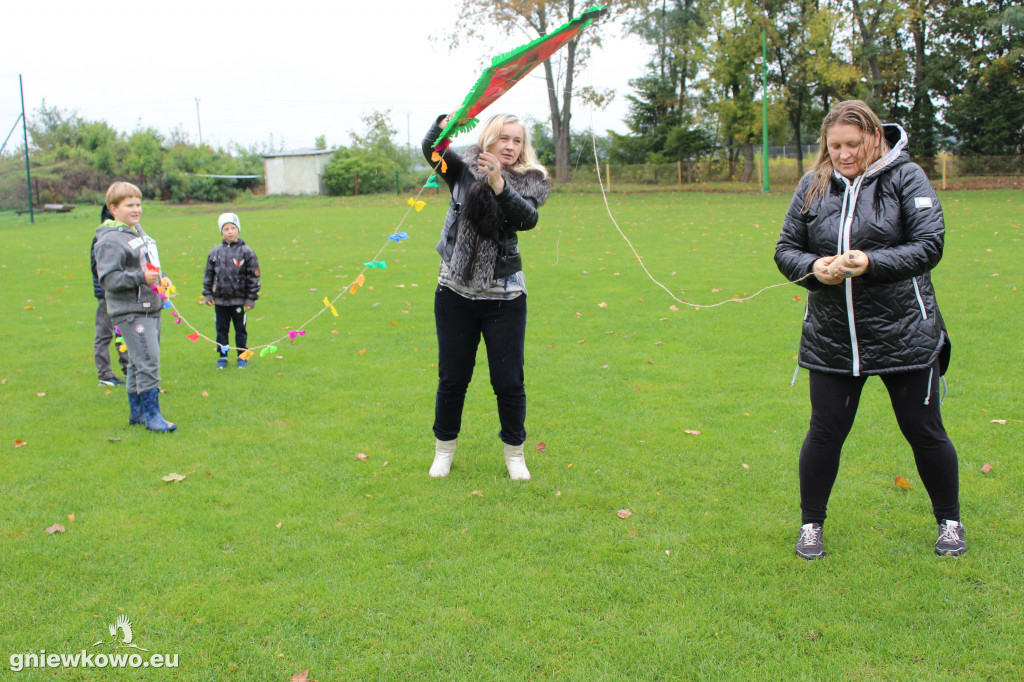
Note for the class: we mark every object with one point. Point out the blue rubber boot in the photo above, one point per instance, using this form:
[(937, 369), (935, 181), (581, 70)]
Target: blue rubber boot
[(151, 405), (136, 414)]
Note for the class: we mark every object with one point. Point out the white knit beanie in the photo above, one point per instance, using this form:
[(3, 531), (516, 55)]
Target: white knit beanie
[(226, 218)]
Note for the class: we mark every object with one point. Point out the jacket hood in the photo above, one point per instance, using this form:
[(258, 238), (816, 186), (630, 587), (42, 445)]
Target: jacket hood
[(897, 139), (108, 226)]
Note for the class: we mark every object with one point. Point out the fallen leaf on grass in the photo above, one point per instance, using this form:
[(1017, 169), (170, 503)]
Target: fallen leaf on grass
[(903, 483), (173, 478), (602, 304), (55, 528), (302, 676), (41, 395), (673, 308), (478, 493), (19, 442), (746, 466), (623, 513), (114, 439), (205, 394), (542, 447), (279, 524), (361, 456), (985, 468), (691, 432), (998, 421), (71, 517)]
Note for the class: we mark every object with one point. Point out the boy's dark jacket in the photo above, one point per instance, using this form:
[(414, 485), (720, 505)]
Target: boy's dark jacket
[(97, 290), (232, 275)]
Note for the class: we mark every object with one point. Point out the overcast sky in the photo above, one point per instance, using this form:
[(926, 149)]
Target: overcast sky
[(293, 70)]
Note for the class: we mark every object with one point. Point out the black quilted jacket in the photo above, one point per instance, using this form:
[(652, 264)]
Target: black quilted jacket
[(232, 275), (888, 319)]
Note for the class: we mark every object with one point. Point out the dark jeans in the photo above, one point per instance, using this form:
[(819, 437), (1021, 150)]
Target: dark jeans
[(834, 400), (460, 323), (227, 315), (101, 343)]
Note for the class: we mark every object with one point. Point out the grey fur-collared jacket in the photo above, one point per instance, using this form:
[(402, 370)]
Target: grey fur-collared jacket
[(518, 202), (886, 320)]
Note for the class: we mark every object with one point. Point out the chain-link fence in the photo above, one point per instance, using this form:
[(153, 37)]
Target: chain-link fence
[(945, 172)]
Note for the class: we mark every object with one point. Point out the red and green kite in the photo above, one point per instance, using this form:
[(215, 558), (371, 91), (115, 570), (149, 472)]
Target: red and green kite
[(508, 69)]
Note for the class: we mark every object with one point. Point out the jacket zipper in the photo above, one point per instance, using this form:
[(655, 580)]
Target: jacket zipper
[(843, 245), (920, 301)]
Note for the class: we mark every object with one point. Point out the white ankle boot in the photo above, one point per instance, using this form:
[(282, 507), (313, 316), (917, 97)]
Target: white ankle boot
[(515, 461), (444, 453)]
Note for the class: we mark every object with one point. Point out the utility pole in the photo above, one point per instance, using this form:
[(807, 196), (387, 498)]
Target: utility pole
[(199, 122), (28, 171), (764, 94)]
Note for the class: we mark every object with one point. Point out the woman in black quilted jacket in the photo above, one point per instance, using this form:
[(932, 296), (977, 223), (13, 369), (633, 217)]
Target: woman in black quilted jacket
[(864, 230), (496, 189)]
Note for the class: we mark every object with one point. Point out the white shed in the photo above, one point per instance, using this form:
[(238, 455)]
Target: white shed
[(299, 171)]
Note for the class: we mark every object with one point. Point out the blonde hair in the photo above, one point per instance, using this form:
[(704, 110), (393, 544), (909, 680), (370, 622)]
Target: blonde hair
[(852, 112), (490, 132), (120, 191)]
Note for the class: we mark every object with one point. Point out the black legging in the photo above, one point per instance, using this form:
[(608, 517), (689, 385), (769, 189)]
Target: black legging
[(834, 399)]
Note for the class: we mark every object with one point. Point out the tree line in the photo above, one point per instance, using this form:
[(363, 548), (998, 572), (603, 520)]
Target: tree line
[(74, 160), (950, 71)]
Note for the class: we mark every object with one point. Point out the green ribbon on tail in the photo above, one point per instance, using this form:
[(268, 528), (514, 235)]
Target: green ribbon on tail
[(508, 69)]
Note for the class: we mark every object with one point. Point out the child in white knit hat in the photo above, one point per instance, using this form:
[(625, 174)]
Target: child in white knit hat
[(232, 285)]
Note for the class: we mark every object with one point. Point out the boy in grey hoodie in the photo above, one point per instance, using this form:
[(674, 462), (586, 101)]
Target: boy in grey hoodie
[(128, 267)]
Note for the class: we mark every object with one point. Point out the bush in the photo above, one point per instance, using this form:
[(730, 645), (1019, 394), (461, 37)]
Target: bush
[(375, 175)]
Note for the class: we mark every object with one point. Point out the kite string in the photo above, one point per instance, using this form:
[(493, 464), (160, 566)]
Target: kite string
[(640, 260), (346, 289)]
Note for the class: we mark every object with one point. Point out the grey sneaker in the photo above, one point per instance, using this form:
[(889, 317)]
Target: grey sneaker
[(112, 381), (811, 543), (952, 540)]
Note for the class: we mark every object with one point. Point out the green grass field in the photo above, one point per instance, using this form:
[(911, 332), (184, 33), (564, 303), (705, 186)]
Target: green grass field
[(282, 551)]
